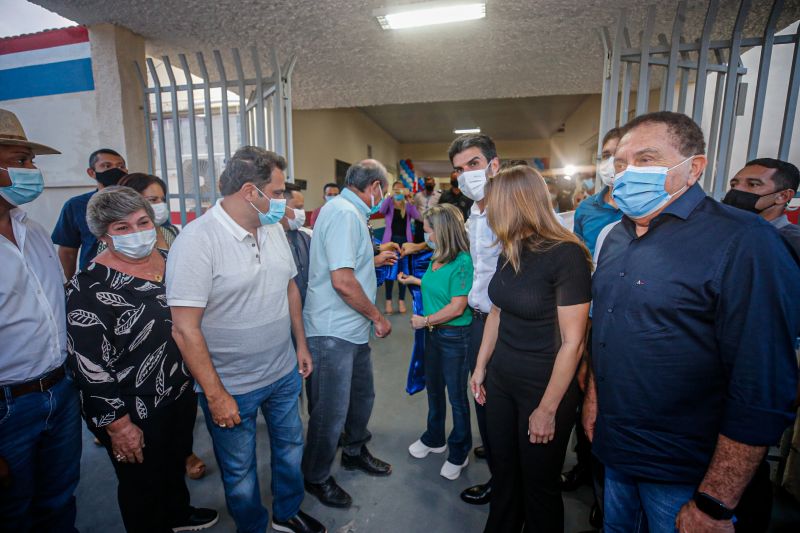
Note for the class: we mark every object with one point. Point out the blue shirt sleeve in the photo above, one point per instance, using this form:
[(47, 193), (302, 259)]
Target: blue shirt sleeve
[(342, 252), (577, 227), (757, 321), (67, 232)]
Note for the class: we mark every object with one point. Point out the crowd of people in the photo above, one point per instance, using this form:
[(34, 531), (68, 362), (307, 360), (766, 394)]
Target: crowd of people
[(663, 329)]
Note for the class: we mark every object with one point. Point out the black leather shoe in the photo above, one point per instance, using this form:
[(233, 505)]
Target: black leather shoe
[(329, 493), (199, 518), (478, 495), (366, 463), (571, 480), (480, 452), (596, 516), (299, 523)]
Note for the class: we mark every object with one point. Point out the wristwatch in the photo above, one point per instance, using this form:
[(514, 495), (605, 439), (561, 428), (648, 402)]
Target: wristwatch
[(712, 506)]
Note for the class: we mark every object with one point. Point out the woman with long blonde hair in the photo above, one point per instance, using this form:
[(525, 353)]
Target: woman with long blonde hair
[(532, 343), (445, 287)]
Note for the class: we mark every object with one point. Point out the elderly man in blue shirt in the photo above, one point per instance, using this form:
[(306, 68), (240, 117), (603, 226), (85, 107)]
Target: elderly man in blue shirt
[(339, 314), (695, 316)]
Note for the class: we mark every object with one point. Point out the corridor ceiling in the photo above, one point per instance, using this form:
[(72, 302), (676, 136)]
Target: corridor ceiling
[(523, 48)]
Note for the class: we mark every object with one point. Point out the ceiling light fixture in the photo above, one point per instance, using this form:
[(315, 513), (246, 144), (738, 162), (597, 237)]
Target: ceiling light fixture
[(429, 13), (468, 130)]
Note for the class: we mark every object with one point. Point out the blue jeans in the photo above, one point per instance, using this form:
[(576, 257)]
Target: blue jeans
[(635, 506), (40, 438), (340, 398), (235, 450), (446, 367)]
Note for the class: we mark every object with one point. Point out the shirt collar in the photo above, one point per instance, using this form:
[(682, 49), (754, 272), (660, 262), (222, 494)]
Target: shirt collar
[(683, 206), (230, 225), (21, 216), (780, 222), (353, 198)]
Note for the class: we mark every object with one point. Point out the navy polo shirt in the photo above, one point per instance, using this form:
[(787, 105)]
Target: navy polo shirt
[(71, 229), (592, 215), (693, 332)]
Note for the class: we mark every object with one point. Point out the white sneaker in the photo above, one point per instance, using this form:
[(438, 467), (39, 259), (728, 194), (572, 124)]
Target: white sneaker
[(420, 451), (451, 471)]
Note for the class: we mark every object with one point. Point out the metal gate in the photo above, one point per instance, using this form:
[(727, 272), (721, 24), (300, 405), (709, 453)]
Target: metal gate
[(193, 121), (683, 68)]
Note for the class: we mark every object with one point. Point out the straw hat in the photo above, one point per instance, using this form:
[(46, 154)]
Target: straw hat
[(11, 133)]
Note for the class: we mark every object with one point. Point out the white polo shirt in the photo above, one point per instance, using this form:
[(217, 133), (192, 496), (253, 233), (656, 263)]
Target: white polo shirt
[(33, 323), (242, 284), (484, 254)]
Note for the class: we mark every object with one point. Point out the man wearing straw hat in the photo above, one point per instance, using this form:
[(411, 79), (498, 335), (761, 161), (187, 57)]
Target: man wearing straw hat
[(40, 428)]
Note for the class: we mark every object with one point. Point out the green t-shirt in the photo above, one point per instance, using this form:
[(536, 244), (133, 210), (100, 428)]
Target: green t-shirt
[(440, 286)]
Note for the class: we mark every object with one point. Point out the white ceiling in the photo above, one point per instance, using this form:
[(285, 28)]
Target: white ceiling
[(523, 48)]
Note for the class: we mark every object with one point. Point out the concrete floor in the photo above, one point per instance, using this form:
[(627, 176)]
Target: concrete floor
[(415, 498)]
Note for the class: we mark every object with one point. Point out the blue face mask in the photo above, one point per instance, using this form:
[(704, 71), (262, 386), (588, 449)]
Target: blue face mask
[(375, 206), (26, 185), (329, 197), (429, 242), (639, 191), (588, 184), (399, 197), (277, 208)]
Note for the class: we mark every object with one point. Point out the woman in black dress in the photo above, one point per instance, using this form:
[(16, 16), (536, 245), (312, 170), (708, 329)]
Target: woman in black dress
[(136, 393), (532, 343)]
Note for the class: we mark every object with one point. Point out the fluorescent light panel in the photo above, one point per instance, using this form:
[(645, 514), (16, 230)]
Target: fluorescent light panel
[(468, 130), (429, 14)]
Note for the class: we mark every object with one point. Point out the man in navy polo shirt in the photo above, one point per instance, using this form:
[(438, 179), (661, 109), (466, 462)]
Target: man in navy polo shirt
[(71, 233), (695, 317)]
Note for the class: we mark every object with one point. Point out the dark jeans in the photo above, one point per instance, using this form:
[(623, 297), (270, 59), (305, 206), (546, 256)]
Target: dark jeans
[(525, 477), (152, 495), (446, 367), (340, 397), (389, 283), (475, 336), (235, 450), (40, 438)]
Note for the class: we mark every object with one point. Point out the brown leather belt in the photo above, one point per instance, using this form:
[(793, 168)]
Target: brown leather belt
[(47, 382), (480, 315)]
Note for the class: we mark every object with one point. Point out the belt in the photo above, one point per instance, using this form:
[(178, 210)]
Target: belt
[(445, 326), (42, 384), (480, 315)]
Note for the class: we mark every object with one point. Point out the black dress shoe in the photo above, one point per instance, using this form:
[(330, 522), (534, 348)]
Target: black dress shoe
[(478, 495), (579, 475), (365, 462), (329, 493), (299, 523), (199, 518), (480, 452)]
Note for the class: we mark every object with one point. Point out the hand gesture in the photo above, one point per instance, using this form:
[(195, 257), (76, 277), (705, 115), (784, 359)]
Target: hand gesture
[(417, 321), (127, 440), (385, 258), (477, 386), (389, 246), (382, 327), (304, 362), (407, 279), (692, 520), (224, 410), (541, 426)]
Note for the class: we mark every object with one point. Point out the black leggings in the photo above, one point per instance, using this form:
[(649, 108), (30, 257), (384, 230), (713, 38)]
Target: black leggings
[(525, 477), (401, 289)]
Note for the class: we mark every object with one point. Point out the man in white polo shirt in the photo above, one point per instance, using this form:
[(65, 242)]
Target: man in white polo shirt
[(234, 304), (339, 314)]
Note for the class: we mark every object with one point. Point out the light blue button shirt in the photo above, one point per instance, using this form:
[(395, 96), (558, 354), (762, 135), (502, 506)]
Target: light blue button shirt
[(341, 240)]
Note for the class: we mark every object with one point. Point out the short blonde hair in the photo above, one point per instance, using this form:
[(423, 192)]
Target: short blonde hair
[(521, 215), (447, 224)]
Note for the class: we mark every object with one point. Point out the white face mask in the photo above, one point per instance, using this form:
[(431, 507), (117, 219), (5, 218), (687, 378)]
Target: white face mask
[(298, 220), (605, 171), (161, 212), (135, 245), (472, 183)]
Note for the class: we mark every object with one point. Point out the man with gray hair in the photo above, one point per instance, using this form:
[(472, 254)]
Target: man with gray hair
[(339, 310), (234, 302)]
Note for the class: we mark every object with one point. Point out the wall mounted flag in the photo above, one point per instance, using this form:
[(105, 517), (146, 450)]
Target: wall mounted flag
[(45, 63)]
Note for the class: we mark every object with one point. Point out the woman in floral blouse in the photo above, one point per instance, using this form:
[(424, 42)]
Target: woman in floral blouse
[(136, 393)]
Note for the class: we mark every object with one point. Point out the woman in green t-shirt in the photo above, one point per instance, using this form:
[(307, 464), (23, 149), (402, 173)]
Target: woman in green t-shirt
[(445, 287)]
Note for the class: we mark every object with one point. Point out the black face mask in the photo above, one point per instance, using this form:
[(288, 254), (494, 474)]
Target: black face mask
[(745, 200), (110, 177), (454, 185)]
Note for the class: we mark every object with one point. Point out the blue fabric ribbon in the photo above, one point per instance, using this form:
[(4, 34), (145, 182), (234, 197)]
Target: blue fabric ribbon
[(416, 369)]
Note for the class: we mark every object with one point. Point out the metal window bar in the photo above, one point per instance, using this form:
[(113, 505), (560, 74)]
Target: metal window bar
[(688, 59), (258, 101)]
